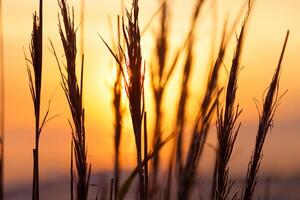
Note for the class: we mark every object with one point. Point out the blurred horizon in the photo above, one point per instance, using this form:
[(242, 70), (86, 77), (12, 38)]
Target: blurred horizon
[(263, 43)]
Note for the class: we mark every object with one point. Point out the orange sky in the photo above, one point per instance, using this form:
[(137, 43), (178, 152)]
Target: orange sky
[(267, 28)]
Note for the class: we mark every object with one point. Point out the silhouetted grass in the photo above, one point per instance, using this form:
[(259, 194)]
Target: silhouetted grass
[(157, 85), (35, 84), (266, 116), (133, 75), (188, 63), (160, 77), (117, 92), (118, 128), (205, 114), (130, 76), (135, 85), (201, 127), (227, 125), (74, 93)]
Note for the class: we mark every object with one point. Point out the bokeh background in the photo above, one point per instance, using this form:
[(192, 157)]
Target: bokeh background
[(265, 34)]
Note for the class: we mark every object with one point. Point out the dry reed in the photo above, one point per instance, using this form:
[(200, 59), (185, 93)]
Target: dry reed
[(118, 130), (181, 109), (266, 116), (117, 92), (35, 84), (160, 76), (227, 126), (134, 87), (201, 127), (203, 119), (133, 75), (180, 119), (74, 94)]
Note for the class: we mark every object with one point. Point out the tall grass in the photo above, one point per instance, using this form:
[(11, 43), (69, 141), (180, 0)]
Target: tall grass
[(133, 75), (188, 63), (161, 73), (135, 85), (35, 84), (203, 119), (227, 125), (130, 75), (201, 128), (74, 94), (118, 129), (266, 116), (117, 92), (177, 152), (117, 102), (158, 86)]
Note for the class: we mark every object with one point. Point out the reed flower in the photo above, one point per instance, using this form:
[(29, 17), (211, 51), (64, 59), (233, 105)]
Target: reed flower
[(74, 94)]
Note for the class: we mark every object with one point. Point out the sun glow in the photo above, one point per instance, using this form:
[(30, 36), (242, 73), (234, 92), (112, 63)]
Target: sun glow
[(260, 56)]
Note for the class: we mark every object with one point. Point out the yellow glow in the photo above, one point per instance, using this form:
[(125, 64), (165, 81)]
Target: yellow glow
[(263, 44)]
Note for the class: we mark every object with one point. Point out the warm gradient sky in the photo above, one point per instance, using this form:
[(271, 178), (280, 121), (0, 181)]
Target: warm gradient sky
[(267, 28)]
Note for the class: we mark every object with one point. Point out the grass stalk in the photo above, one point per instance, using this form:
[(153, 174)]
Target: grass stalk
[(180, 119), (118, 130), (203, 119), (266, 116), (160, 76), (74, 94), (227, 126), (158, 91), (35, 84), (117, 92), (133, 76), (136, 84), (202, 125)]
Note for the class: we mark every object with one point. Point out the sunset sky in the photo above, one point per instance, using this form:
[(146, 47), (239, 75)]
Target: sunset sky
[(264, 39)]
